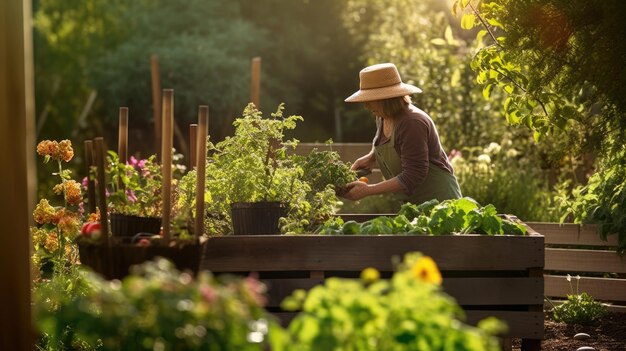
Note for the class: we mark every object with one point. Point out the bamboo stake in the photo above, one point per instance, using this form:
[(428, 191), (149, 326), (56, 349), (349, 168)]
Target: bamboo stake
[(203, 130), (166, 156), (156, 102), (102, 200), (255, 82), (193, 131), (122, 145), (91, 187)]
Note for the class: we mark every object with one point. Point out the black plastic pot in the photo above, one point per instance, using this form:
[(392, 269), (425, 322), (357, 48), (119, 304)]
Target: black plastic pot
[(129, 226), (257, 218)]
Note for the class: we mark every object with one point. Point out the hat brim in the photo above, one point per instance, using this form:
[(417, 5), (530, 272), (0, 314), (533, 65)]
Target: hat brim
[(397, 90)]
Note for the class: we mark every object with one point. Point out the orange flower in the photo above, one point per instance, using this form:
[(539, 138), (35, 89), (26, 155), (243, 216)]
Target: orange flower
[(72, 192), (52, 243), (68, 224), (39, 236), (425, 269), (94, 217), (43, 213), (55, 150), (65, 150)]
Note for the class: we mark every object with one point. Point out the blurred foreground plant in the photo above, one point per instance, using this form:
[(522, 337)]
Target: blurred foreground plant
[(155, 308), (407, 312)]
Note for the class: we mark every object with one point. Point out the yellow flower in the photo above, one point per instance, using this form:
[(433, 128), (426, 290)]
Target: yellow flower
[(55, 150), (425, 269), (39, 236), (370, 275), (43, 213)]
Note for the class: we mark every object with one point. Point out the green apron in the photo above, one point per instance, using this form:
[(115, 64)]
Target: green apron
[(439, 184)]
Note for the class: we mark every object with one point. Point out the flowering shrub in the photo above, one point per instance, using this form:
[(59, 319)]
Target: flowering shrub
[(57, 226), (157, 308), (501, 175), (407, 312), (141, 180)]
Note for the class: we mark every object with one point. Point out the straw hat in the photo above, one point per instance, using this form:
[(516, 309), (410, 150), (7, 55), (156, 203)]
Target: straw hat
[(381, 81)]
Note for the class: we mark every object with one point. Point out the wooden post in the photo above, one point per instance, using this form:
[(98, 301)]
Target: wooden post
[(166, 156), (193, 131), (100, 156), (255, 82), (156, 102), (91, 187), (17, 166), (203, 130), (122, 145)]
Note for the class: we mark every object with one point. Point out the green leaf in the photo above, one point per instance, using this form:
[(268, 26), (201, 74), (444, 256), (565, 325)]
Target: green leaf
[(509, 88), (467, 21), (464, 3), (448, 35), (487, 91), (481, 34), (438, 41)]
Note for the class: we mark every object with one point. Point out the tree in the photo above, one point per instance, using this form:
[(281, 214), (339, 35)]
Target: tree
[(560, 62)]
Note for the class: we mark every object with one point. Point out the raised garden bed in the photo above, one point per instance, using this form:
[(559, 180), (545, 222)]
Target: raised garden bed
[(497, 276), (114, 261)]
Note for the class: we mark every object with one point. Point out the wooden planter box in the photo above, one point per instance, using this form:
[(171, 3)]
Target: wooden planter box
[(497, 276), (114, 261)]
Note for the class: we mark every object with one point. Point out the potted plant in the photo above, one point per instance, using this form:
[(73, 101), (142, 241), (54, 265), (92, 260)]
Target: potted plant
[(256, 184), (134, 199)]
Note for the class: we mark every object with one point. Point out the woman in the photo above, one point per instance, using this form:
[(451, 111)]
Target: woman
[(406, 147)]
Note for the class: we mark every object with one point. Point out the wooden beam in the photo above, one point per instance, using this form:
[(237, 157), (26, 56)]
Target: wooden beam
[(17, 142), (569, 260), (571, 234), (156, 103), (607, 289), (255, 82), (324, 253)]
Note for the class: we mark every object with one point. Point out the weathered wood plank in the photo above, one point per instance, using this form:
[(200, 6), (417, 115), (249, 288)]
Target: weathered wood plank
[(569, 260), (609, 289), (610, 307), (522, 324), (327, 253), (466, 291), (571, 234)]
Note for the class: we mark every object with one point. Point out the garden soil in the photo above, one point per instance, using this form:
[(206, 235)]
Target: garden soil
[(609, 334)]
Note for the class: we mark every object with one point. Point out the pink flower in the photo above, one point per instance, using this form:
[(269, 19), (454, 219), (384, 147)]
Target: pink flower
[(130, 195), (133, 161), (208, 293), (85, 182), (454, 154)]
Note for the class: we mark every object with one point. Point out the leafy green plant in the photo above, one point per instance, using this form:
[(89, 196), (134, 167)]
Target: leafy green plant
[(407, 312), (460, 216), (156, 307), (601, 201), (323, 168), (256, 165), (580, 308)]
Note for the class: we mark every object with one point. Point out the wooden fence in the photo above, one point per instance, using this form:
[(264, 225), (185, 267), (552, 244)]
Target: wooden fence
[(578, 250)]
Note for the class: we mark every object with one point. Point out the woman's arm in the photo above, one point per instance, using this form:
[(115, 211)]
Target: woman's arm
[(368, 161), (359, 190)]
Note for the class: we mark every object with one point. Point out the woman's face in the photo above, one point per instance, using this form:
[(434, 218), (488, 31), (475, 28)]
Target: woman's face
[(374, 107)]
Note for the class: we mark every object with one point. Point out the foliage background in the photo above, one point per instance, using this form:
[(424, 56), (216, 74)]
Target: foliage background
[(312, 52)]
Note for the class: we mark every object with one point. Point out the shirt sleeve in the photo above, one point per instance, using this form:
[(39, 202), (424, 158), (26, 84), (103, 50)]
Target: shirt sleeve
[(412, 145)]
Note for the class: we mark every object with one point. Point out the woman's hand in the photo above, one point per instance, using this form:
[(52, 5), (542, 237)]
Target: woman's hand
[(366, 162), (358, 190)]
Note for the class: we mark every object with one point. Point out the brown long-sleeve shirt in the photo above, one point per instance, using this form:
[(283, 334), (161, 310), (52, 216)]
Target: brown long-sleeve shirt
[(417, 143)]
